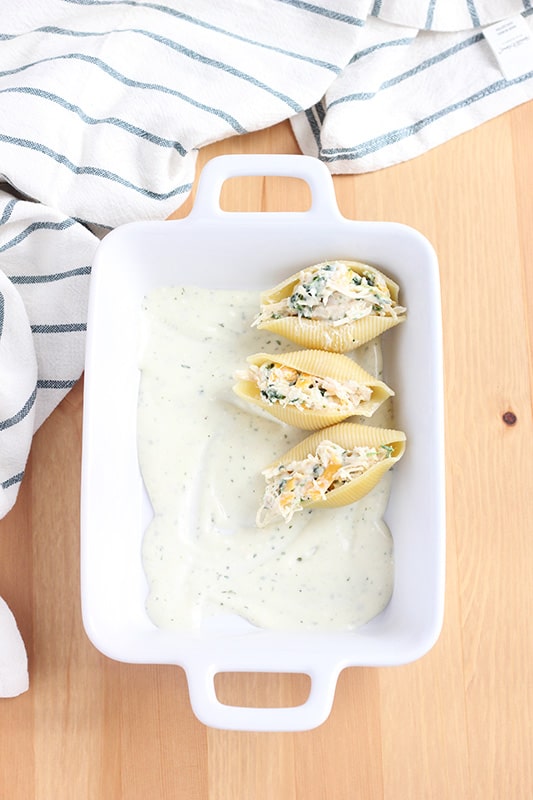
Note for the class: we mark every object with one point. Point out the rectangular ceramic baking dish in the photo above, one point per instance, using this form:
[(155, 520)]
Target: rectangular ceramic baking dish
[(255, 251)]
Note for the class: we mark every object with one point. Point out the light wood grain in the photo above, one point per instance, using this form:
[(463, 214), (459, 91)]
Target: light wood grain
[(455, 724)]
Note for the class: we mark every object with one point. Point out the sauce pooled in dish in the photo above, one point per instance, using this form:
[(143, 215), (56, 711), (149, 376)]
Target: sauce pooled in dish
[(202, 450)]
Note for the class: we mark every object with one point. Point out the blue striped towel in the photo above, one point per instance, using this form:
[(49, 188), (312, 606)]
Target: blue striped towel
[(105, 103)]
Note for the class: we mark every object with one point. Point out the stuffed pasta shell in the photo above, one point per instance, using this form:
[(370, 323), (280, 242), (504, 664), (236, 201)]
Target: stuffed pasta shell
[(333, 467), (335, 305), (310, 389)]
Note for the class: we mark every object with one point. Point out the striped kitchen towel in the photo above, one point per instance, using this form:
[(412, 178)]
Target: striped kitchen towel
[(422, 73), (105, 103)]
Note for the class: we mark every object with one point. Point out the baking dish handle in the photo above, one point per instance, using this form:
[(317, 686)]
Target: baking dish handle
[(308, 715), (309, 169)]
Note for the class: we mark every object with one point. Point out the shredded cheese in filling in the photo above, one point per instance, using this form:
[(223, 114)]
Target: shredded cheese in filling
[(286, 386), (337, 293), (331, 466)]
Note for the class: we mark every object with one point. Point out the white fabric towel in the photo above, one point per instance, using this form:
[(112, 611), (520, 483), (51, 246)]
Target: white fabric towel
[(407, 89), (13, 661), (105, 103)]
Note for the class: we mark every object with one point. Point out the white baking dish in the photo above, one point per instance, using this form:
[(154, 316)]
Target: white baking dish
[(255, 251)]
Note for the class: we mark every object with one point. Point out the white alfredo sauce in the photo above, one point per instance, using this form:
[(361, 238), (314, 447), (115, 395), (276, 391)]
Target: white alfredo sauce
[(201, 452)]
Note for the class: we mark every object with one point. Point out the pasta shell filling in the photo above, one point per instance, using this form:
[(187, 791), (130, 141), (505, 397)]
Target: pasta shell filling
[(336, 292), (286, 386), (291, 485)]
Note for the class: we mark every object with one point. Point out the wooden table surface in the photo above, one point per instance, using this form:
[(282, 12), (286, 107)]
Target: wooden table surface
[(455, 724)]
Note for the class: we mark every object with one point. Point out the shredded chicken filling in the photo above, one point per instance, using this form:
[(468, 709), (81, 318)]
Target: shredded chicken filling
[(337, 293), (331, 466), (283, 385)]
